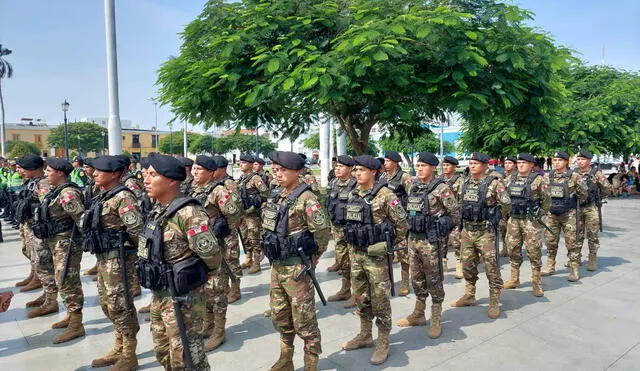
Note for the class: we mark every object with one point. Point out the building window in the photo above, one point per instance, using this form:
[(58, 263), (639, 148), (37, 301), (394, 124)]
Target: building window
[(135, 141), (15, 136), (154, 141)]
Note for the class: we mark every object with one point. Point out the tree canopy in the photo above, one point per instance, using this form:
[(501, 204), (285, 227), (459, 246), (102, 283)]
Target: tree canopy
[(83, 136), (19, 148), (363, 62), (199, 143), (313, 142)]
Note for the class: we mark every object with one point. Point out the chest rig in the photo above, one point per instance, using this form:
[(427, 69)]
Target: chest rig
[(337, 198), (522, 202), (561, 199), (28, 202), (99, 240), (474, 206), (249, 200), (360, 231), (219, 225), (153, 270), (395, 184), (275, 240), (43, 226), (451, 181), (595, 195)]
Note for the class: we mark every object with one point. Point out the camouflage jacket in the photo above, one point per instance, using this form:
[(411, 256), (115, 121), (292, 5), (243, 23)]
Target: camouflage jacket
[(598, 181), (386, 206), (456, 186), (122, 211), (576, 185), (441, 200), (219, 202), (539, 189), (307, 177), (253, 185), (69, 203), (496, 193)]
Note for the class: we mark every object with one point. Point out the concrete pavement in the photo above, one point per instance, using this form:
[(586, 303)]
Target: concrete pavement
[(591, 325)]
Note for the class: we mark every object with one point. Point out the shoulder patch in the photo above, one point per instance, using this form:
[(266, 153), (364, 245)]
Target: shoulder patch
[(313, 208), (123, 210), (395, 202), (447, 193), (544, 187), (501, 189), (67, 198), (197, 230), (224, 199)]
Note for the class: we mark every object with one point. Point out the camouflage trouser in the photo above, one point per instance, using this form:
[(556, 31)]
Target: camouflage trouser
[(293, 308), (567, 223), (215, 292), (524, 232), (232, 253), (44, 262), (111, 293), (371, 287), (476, 245), (167, 343), (342, 253), (589, 222), (71, 290), (425, 269), (250, 227), (452, 241), (503, 229)]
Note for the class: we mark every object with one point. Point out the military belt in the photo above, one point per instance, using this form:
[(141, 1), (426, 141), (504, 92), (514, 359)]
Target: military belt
[(475, 227), (292, 260), (520, 216), (113, 254)]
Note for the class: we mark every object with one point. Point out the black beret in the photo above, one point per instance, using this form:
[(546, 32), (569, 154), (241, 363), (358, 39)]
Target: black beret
[(304, 157), (380, 160), (478, 156), (135, 160), (206, 162), (168, 166), (368, 161), (125, 160), (273, 155), (221, 162), (512, 158), (289, 160), (87, 161), (451, 160), (109, 164), (586, 154), (527, 157), (144, 163), (393, 156), (184, 161), (258, 160), (346, 160), (246, 157), (562, 155), (30, 162), (59, 164), (78, 159), (428, 158), (334, 158)]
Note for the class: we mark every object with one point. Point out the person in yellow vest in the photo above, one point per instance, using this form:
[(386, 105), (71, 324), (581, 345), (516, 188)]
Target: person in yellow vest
[(77, 174)]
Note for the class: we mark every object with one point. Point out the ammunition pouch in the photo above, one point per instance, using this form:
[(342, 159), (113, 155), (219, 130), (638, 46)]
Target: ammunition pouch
[(48, 229), (280, 248), (361, 236), (221, 228)]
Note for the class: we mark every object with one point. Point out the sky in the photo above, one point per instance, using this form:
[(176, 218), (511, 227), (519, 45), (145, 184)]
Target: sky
[(59, 49)]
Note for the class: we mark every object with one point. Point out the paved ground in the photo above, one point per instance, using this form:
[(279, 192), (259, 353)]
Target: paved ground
[(591, 325)]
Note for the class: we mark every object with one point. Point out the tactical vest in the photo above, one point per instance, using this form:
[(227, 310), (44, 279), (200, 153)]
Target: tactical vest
[(451, 181), (188, 274), (28, 202), (277, 243), (561, 199), (395, 184), (522, 201), (474, 206), (135, 179), (99, 240), (360, 232), (87, 193), (43, 226), (419, 215), (336, 202), (219, 225), (594, 195), (249, 200)]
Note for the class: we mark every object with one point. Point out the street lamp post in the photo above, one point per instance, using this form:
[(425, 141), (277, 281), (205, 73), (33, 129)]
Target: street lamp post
[(65, 108)]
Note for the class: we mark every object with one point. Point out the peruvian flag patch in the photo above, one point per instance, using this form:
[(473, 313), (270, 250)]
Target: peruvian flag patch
[(126, 208), (66, 199), (502, 189), (197, 230), (446, 194), (313, 208), (395, 202), (223, 200)]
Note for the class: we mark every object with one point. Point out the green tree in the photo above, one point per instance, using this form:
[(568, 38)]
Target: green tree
[(83, 136), (247, 143), (205, 144), (408, 145), (18, 148), (362, 62), (313, 142), (175, 142), (6, 72)]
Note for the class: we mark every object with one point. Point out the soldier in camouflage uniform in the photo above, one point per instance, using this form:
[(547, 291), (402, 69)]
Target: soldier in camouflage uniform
[(307, 177), (566, 188), (337, 197), (509, 170), (112, 226), (294, 221), (399, 182), (58, 224), (88, 192), (35, 187), (373, 210), (253, 192), (589, 217), (185, 187), (454, 180), (482, 198), (224, 211), (530, 200), (32, 281), (431, 206), (177, 242), (258, 168)]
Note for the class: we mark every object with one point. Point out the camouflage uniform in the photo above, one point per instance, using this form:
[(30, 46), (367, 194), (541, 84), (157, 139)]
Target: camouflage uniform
[(250, 223), (185, 235), (523, 228), (589, 218), (477, 240), (307, 177), (185, 186), (134, 183), (292, 302), (452, 241), (232, 252), (43, 256), (219, 203), (425, 256), (399, 182), (566, 221), (119, 212)]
